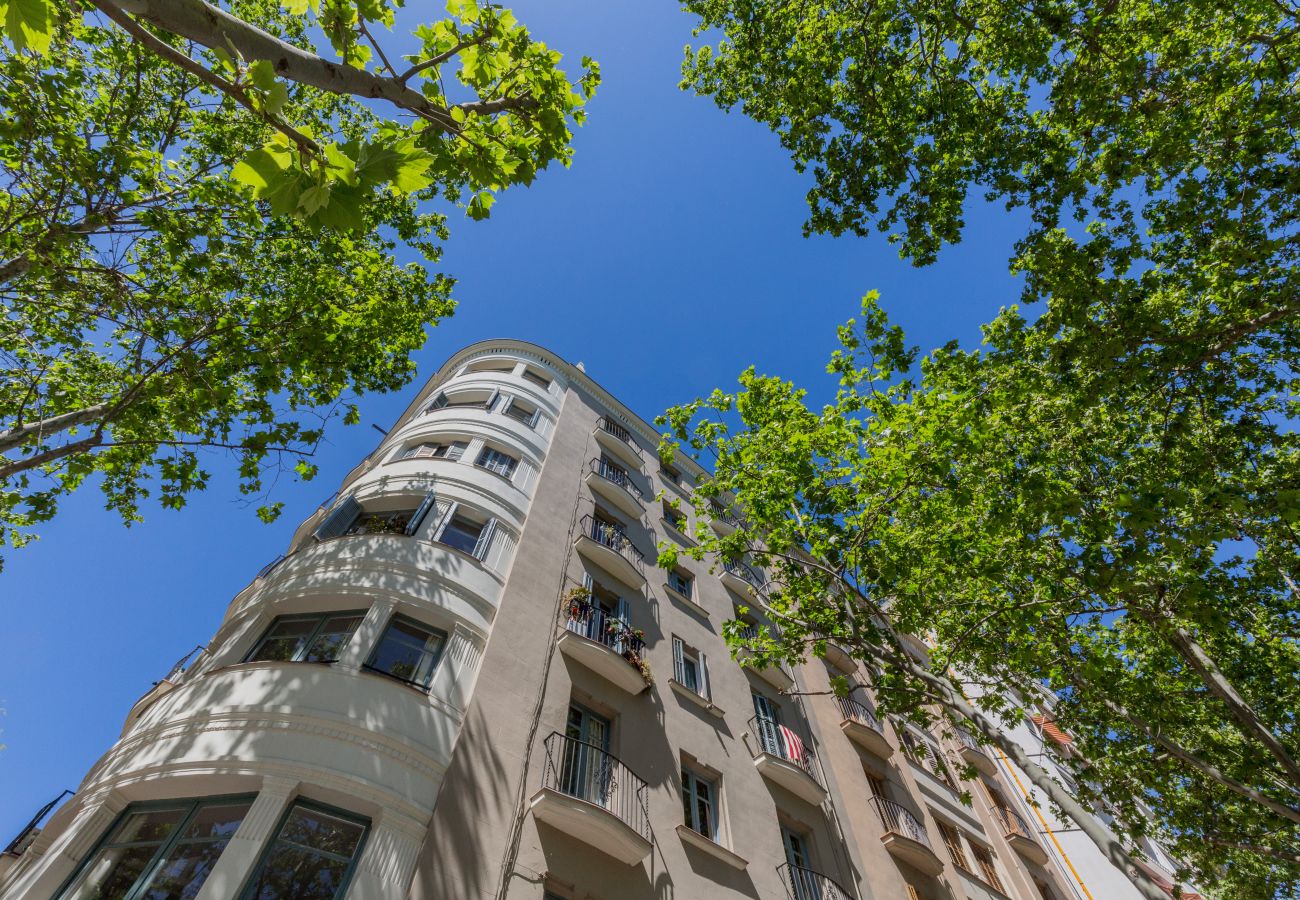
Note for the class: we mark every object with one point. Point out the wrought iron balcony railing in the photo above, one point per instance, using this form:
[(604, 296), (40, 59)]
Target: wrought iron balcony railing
[(784, 743), (614, 537), (741, 571), (857, 711), (591, 773), (617, 475), (32, 828), (722, 514), (1012, 822), (900, 820), (802, 883), (608, 424), (967, 740), (595, 624)]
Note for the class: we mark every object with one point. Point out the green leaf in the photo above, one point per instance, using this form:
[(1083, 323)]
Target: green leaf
[(29, 24)]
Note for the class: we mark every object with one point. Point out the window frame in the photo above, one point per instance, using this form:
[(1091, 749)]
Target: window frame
[(952, 839), (689, 580), (987, 861), (684, 653), (489, 459), (369, 665), (323, 617), (691, 779), (532, 377), (194, 804), (246, 893), (452, 451)]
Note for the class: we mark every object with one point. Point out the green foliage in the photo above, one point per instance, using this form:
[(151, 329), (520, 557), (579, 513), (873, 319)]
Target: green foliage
[(1045, 524)]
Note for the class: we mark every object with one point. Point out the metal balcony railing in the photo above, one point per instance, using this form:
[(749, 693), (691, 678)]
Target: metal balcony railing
[(617, 475), (856, 711), (618, 431), (722, 514), (182, 663), (590, 773), (595, 624), (802, 883), (614, 537), (32, 828), (898, 819), (1012, 822), (967, 740), (783, 742), (741, 571)]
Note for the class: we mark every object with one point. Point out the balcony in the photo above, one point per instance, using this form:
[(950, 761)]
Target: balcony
[(618, 441), (802, 883), (973, 754), (603, 644), (1019, 836), (589, 795), (783, 757), (905, 837), (774, 675), (739, 577), (862, 727), (614, 484), (608, 546), (723, 520)]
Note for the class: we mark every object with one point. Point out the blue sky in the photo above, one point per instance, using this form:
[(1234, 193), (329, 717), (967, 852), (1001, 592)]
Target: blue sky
[(667, 259)]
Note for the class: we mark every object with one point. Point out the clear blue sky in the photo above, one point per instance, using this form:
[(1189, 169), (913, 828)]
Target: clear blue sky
[(668, 258)]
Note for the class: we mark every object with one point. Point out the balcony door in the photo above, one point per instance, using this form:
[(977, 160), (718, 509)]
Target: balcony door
[(587, 769), (768, 725), (803, 882)]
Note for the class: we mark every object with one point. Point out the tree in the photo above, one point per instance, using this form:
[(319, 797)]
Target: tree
[(1133, 555), (196, 252), (1102, 500)]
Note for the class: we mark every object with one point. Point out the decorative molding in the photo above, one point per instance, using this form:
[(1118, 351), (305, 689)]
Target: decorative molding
[(390, 855)]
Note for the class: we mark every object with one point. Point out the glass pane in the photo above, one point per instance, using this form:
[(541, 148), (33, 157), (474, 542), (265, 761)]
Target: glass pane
[(112, 873), (461, 534), (408, 651), (290, 873), (183, 870), (336, 632), (321, 831), (284, 640)]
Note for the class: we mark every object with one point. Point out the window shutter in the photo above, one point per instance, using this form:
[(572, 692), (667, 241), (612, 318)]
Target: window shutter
[(706, 691), (492, 401), (445, 512), (485, 540), (414, 525), (338, 521), (456, 449), (438, 402), (679, 663), (586, 580), (532, 420), (621, 612)]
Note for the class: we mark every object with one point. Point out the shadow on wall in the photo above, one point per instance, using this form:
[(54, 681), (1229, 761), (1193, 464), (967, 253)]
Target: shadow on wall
[(477, 794)]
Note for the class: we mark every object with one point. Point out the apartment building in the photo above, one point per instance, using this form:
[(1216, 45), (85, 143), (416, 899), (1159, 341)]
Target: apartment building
[(466, 679)]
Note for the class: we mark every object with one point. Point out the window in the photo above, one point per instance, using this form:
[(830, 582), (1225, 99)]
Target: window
[(926, 755), (675, 517), (522, 412), (877, 786), (689, 669), (681, 583), (952, 839), (671, 475), (700, 803), (988, 869), (311, 857), (464, 400), (408, 651), (465, 534), (502, 464), (539, 380), (450, 451), (159, 850), (491, 365), (349, 517), (315, 638)]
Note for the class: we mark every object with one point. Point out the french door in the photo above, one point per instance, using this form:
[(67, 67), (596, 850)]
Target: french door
[(587, 768)]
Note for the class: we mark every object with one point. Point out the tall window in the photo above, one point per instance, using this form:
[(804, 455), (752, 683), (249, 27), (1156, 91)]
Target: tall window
[(349, 517), (450, 450), (159, 850), (408, 651), (952, 840), (689, 668), (311, 857), (988, 869), (522, 412), (700, 803), (313, 638), (877, 786), (462, 533), (495, 461)]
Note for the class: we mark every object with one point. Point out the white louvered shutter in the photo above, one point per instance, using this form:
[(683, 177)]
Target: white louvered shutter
[(338, 521), (423, 510)]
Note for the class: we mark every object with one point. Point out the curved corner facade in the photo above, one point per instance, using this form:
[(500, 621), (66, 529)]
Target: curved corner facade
[(466, 679)]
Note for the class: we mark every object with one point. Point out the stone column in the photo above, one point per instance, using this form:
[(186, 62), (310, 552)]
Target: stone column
[(247, 844)]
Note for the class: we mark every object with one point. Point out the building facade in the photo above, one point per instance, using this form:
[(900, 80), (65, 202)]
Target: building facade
[(466, 679)]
